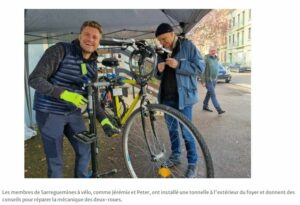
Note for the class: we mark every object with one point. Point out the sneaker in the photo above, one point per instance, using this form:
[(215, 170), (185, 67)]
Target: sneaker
[(221, 112), (207, 109), (111, 131), (191, 171), (171, 162)]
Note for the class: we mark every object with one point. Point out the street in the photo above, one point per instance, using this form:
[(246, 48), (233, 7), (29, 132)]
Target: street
[(241, 79), (228, 136)]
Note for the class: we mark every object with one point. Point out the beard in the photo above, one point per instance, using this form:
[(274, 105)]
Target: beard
[(88, 50)]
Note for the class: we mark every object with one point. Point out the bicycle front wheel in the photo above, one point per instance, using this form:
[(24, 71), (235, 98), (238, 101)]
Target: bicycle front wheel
[(149, 140)]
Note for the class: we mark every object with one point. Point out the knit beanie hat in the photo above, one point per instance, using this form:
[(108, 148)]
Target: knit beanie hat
[(163, 28)]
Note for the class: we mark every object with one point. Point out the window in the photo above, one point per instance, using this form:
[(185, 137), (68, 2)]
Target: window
[(238, 39), (249, 14), (242, 37), (243, 16), (230, 21), (233, 21), (233, 39), (249, 33), (239, 16), (229, 41)]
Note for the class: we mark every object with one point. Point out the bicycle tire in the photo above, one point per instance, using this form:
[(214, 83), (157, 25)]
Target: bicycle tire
[(84, 107), (109, 109), (138, 159), (142, 66), (108, 105)]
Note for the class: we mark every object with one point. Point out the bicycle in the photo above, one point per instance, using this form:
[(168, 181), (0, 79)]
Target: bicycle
[(146, 140), (106, 95), (112, 103), (112, 96)]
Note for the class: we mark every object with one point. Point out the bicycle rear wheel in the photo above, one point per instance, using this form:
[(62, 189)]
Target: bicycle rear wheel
[(108, 106), (147, 144)]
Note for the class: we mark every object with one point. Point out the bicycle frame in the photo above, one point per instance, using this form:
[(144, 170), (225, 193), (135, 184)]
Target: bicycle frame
[(142, 95), (132, 105)]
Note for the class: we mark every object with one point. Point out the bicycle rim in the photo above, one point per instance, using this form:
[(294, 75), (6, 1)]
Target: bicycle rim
[(140, 65), (142, 163), (110, 110)]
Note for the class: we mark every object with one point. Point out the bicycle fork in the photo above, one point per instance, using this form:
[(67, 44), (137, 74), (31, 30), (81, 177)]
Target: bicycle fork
[(145, 112)]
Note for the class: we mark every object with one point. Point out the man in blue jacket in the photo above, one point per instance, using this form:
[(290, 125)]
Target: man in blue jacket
[(179, 88), (57, 79)]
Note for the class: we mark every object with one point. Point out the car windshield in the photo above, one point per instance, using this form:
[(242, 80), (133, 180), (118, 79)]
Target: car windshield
[(221, 67)]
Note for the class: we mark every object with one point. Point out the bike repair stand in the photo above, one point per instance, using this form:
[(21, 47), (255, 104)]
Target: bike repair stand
[(90, 137)]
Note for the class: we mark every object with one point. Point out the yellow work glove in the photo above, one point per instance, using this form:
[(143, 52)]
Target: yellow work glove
[(109, 129), (75, 98)]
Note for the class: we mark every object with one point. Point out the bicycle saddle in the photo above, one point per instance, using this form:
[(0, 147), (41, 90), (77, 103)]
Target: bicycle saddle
[(110, 62)]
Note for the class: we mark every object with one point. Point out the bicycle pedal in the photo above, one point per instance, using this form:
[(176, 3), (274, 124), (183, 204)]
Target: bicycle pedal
[(86, 137)]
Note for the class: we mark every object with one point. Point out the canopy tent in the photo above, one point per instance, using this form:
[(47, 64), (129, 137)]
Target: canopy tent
[(64, 24), (48, 26)]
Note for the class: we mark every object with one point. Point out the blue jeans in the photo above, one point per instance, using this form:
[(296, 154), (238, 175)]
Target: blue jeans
[(174, 134), (53, 127), (210, 86)]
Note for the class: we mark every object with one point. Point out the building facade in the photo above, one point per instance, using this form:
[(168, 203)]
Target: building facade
[(239, 38)]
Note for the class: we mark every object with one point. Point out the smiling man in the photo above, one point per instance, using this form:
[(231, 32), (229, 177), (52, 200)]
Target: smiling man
[(58, 79)]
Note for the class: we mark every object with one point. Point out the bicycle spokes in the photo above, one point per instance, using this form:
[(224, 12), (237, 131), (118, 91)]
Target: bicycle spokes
[(155, 147), (148, 149)]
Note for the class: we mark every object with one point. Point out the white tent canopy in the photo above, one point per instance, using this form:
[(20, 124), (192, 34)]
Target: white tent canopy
[(48, 26), (64, 24)]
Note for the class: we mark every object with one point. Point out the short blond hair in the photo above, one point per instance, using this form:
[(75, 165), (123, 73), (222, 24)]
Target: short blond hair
[(93, 24)]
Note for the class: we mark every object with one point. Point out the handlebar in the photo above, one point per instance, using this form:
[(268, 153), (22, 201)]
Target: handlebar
[(143, 59), (160, 49), (96, 84), (136, 44), (125, 41)]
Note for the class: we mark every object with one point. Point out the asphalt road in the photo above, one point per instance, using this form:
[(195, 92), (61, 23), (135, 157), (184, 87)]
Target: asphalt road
[(228, 136)]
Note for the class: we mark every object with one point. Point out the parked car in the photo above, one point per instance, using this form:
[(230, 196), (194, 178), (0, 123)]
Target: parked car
[(224, 74), (248, 68), (237, 68)]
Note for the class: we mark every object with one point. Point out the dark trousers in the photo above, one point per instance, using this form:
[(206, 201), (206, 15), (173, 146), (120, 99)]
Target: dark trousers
[(53, 128), (211, 94)]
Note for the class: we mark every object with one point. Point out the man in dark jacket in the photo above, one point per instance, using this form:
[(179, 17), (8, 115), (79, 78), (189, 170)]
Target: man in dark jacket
[(179, 89), (57, 80)]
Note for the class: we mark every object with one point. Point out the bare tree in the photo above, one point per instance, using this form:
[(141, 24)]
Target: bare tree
[(211, 30)]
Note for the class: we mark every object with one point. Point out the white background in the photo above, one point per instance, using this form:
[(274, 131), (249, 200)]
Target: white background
[(275, 105)]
